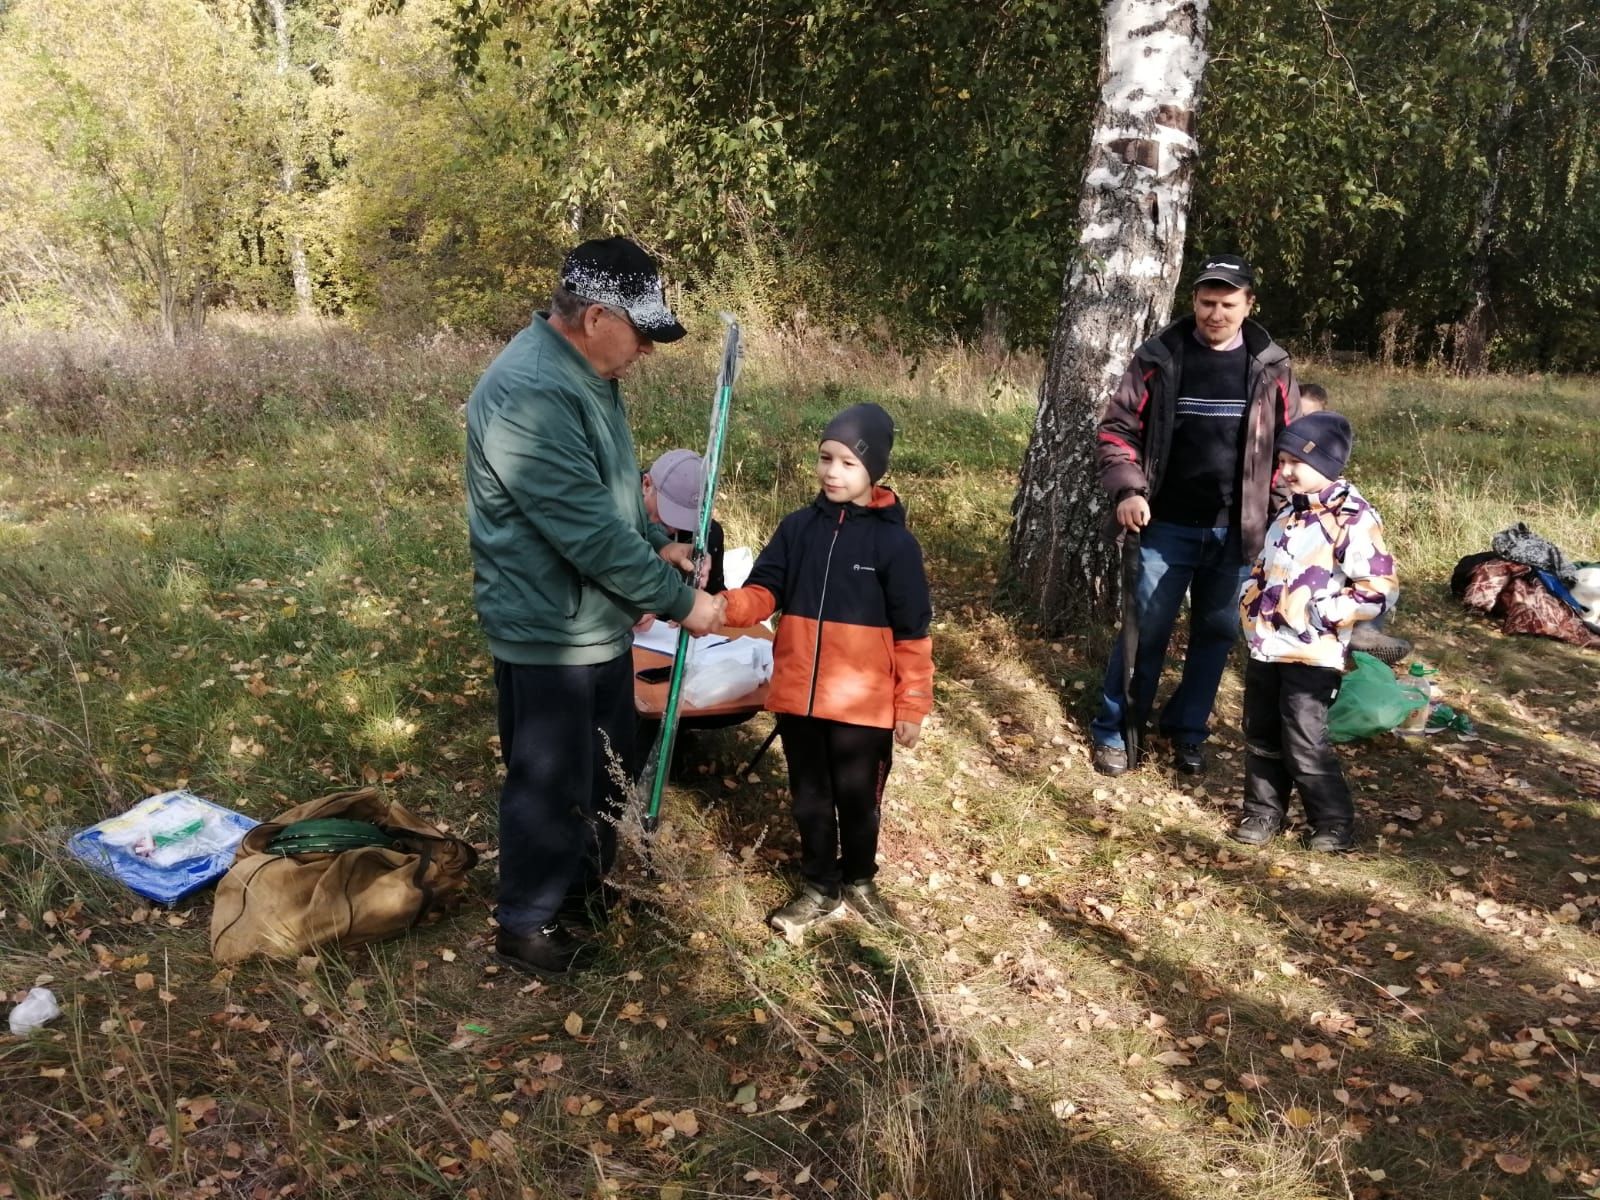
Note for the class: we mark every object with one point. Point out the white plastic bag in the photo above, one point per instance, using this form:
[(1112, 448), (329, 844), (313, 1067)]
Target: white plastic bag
[(737, 565), (37, 1007), (722, 673)]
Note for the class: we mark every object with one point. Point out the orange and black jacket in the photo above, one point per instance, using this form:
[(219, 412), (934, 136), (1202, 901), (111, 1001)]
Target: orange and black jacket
[(853, 641)]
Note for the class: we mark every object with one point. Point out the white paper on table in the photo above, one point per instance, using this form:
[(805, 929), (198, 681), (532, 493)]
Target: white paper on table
[(662, 637)]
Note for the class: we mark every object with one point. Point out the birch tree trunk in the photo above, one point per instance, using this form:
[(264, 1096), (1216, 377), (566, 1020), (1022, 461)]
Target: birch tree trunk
[(1133, 213), (288, 175)]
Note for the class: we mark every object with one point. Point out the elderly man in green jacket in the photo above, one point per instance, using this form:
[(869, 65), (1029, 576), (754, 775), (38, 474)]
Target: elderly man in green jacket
[(565, 562)]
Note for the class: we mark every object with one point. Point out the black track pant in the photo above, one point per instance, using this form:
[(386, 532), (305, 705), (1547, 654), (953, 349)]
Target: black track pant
[(559, 800), (1286, 744), (836, 776)]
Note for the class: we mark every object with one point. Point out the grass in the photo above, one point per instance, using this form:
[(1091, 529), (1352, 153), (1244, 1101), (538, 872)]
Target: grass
[(241, 567)]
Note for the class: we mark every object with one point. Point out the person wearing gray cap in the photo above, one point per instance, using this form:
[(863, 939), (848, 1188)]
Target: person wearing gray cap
[(564, 563), (1185, 453), (672, 489)]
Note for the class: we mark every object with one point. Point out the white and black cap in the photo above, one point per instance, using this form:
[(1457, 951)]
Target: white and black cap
[(619, 274), (1230, 269)]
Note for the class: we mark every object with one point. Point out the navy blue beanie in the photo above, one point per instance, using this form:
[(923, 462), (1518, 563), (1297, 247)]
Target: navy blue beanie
[(868, 432), (1322, 439)]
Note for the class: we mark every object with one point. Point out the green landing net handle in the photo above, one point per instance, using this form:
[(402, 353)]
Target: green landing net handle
[(659, 765)]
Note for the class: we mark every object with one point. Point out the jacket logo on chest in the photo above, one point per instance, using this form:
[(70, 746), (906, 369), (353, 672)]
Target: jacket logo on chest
[(864, 567)]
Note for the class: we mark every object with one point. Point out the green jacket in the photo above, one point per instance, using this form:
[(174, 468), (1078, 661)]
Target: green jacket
[(564, 560)]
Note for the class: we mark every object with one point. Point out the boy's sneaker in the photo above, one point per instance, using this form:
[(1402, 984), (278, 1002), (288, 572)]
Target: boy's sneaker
[(811, 907), (550, 952), (1255, 830), (869, 903), (1332, 839)]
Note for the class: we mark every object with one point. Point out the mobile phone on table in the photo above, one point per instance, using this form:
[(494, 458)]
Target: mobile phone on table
[(654, 674)]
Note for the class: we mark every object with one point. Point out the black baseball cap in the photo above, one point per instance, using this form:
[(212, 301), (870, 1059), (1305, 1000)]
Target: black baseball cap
[(1231, 269), (619, 274)]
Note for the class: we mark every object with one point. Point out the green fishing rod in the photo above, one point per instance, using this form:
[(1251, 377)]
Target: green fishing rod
[(659, 764)]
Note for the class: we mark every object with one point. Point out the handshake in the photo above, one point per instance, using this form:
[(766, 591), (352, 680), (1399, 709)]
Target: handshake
[(709, 613)]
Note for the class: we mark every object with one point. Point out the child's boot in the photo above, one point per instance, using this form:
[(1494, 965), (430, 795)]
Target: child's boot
[(1332, 839), (811, 907), (1255, 829)]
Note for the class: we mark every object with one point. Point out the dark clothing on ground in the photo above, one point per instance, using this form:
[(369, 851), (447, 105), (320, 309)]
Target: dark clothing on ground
[(715, 550), (1286, 744), (1136, 432), (556, 841), (1202, 478), (1519, 544), (836, 777)]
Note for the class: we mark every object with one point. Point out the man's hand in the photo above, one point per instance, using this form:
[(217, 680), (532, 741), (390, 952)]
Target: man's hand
[(681, 555), (708, 614), (1133, 513), (906, 733), (645, 622)]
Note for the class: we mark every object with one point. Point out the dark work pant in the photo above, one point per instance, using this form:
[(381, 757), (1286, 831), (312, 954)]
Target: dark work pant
[(559, 801), (1286, 744), (836, 777)]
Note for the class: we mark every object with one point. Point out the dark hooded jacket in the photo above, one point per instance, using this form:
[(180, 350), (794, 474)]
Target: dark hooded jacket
[(1135, 434), (853, 641)]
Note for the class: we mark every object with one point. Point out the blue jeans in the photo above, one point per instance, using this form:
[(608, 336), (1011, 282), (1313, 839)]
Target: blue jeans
[(1175, 561)]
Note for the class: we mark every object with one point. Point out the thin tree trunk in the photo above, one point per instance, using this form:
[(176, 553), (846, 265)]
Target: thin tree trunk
[(1474, 329), (1133, 213), (288, 176)]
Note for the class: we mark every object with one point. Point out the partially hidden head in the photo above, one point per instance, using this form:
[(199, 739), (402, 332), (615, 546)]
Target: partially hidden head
[(1313, 397), (853, 451), (612, 305), (1224, 294), (1320, 441), (673, 488)]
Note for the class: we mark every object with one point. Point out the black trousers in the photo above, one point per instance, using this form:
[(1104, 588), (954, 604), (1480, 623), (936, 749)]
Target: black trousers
[(836, 777), (559, 802), (1286, 744)]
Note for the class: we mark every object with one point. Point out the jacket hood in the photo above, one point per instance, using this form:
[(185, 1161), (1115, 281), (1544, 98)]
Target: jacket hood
[(883, 504)]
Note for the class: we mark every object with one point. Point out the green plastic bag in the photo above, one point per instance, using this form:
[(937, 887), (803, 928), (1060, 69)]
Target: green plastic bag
[(1371, 701)]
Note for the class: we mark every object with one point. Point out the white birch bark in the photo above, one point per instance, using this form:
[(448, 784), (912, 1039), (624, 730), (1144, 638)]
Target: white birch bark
[(1119, 286), (288, 175)]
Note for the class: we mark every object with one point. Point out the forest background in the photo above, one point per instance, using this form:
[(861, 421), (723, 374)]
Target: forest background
[(904, 172)]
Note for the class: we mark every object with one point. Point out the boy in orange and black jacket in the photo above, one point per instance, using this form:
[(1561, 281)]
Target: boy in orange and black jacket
[(853, 663)]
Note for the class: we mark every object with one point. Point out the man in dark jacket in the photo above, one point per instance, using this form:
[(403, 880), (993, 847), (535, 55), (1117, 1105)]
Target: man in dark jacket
[(564, 563), (1186, 453)]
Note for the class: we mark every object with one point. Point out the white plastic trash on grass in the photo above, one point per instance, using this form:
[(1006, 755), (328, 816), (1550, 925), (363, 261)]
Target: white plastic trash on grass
[(36, 1008), (724, 672)]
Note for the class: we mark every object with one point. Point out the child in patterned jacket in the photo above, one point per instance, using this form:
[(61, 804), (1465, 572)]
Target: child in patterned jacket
[(1324, 568)]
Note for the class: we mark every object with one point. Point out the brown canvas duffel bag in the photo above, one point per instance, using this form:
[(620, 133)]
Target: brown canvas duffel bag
[(283, 906)]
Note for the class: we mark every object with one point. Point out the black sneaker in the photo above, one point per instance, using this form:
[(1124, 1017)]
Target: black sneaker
[(1190, 758), (869, 903), (1332, 839), (550, 952), (1110, 760), (1255, 830), (811, 907)]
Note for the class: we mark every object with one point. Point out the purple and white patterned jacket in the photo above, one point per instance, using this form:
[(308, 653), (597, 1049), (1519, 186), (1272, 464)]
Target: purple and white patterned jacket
[(1323, 568)]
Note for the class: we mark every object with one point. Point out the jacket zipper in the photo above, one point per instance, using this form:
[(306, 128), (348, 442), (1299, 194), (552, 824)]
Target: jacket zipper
[(822, 602)]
